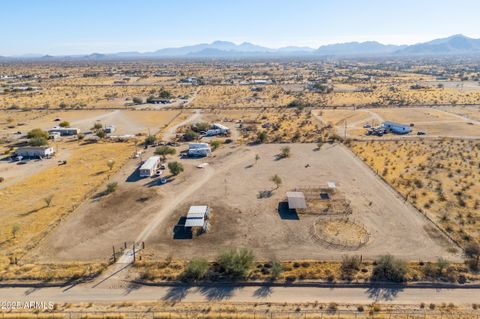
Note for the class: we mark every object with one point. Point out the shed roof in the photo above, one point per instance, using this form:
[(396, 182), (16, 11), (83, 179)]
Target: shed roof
[(197, 211), (195, 222), (296, 200), (388, 123)]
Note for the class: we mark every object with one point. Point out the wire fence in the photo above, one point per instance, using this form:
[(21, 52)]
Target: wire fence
[(310, 314)]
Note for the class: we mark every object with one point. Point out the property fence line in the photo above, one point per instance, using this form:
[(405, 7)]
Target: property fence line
[(247, 314)]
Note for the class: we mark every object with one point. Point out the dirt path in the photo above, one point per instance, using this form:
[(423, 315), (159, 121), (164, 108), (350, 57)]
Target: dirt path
[(230, 293), (170, 132), (117, 272)]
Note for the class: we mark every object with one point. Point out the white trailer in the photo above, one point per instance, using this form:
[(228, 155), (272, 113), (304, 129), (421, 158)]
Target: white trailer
[(35, 151), (150, 166), (199, 149), (217, 129)]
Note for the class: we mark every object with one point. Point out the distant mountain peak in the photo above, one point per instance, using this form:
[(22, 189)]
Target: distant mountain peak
[(454, 44)]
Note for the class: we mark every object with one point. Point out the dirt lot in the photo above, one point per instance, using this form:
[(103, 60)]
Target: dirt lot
[(125, 121), (435, 122), (230, 185)]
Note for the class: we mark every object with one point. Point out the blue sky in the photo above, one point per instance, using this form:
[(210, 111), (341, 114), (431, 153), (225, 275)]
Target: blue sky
[(86, 26)]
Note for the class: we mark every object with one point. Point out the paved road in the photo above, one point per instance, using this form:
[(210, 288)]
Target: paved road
[(243, 294)]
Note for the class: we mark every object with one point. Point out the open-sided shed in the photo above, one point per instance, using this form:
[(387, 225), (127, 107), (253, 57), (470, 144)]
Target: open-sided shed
[(296, 200), (197, 217)]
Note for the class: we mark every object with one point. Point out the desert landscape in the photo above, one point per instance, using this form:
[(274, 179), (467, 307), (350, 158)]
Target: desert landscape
[(288, 172)]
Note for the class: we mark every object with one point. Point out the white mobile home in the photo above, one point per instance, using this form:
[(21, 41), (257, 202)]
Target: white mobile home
[(150, 166), (199, 149), (217, 129), (64, 131), (35, 151)]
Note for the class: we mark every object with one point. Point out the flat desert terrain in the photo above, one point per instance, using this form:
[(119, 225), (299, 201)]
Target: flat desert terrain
[(230, 186)]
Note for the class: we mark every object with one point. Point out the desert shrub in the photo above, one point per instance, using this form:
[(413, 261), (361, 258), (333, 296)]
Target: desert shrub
[(235, 263), (189, 136), (196, 269), (215, 144), (111, 187), (64, 124), (276, 269), (137, 100), (101, 134), (163, 151), (200, 127), (388, 268), (175, 168), (262, 137), (37, 133), (285, 152), (150, 139), (350, 265)]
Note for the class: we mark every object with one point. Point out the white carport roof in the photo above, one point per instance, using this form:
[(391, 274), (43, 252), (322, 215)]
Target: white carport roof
[(296, 200), (195, 222)]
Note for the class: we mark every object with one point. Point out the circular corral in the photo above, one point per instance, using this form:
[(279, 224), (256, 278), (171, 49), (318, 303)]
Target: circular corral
[(340, 233)]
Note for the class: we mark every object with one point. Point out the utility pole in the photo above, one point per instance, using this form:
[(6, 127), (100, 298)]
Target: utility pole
[(345, 132), (114, 257)]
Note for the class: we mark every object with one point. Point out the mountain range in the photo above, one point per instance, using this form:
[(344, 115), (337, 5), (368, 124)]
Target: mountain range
[(454, 45)]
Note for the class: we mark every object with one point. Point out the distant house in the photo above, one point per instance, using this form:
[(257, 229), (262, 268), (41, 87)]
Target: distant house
[(261, 82), (150, 166), (396, 128), (197, 217), (64, 131), (110, 129), (217, 129), (159, 101), (35, 151), (199, 149)]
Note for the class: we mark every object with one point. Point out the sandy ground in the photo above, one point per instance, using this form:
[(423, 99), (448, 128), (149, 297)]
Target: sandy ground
[(445, 122), (125, 121), (13, 172), (230, 186)]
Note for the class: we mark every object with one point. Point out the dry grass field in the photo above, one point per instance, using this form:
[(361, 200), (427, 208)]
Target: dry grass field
[(439, 177), (434, 122), (27, 217), (247, 310)]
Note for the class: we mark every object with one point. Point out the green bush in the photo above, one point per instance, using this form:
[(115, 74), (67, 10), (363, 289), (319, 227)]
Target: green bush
[(137, 100), (388, 268), (163, 151), (175, 168), (276, 270), (111, 187), (196, 269), (189, 136), (235, 263), (149, 140), (262, 137), (37, 133), (215, 144)]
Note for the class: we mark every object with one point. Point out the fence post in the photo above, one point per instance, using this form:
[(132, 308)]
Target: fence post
[(134, 252)]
